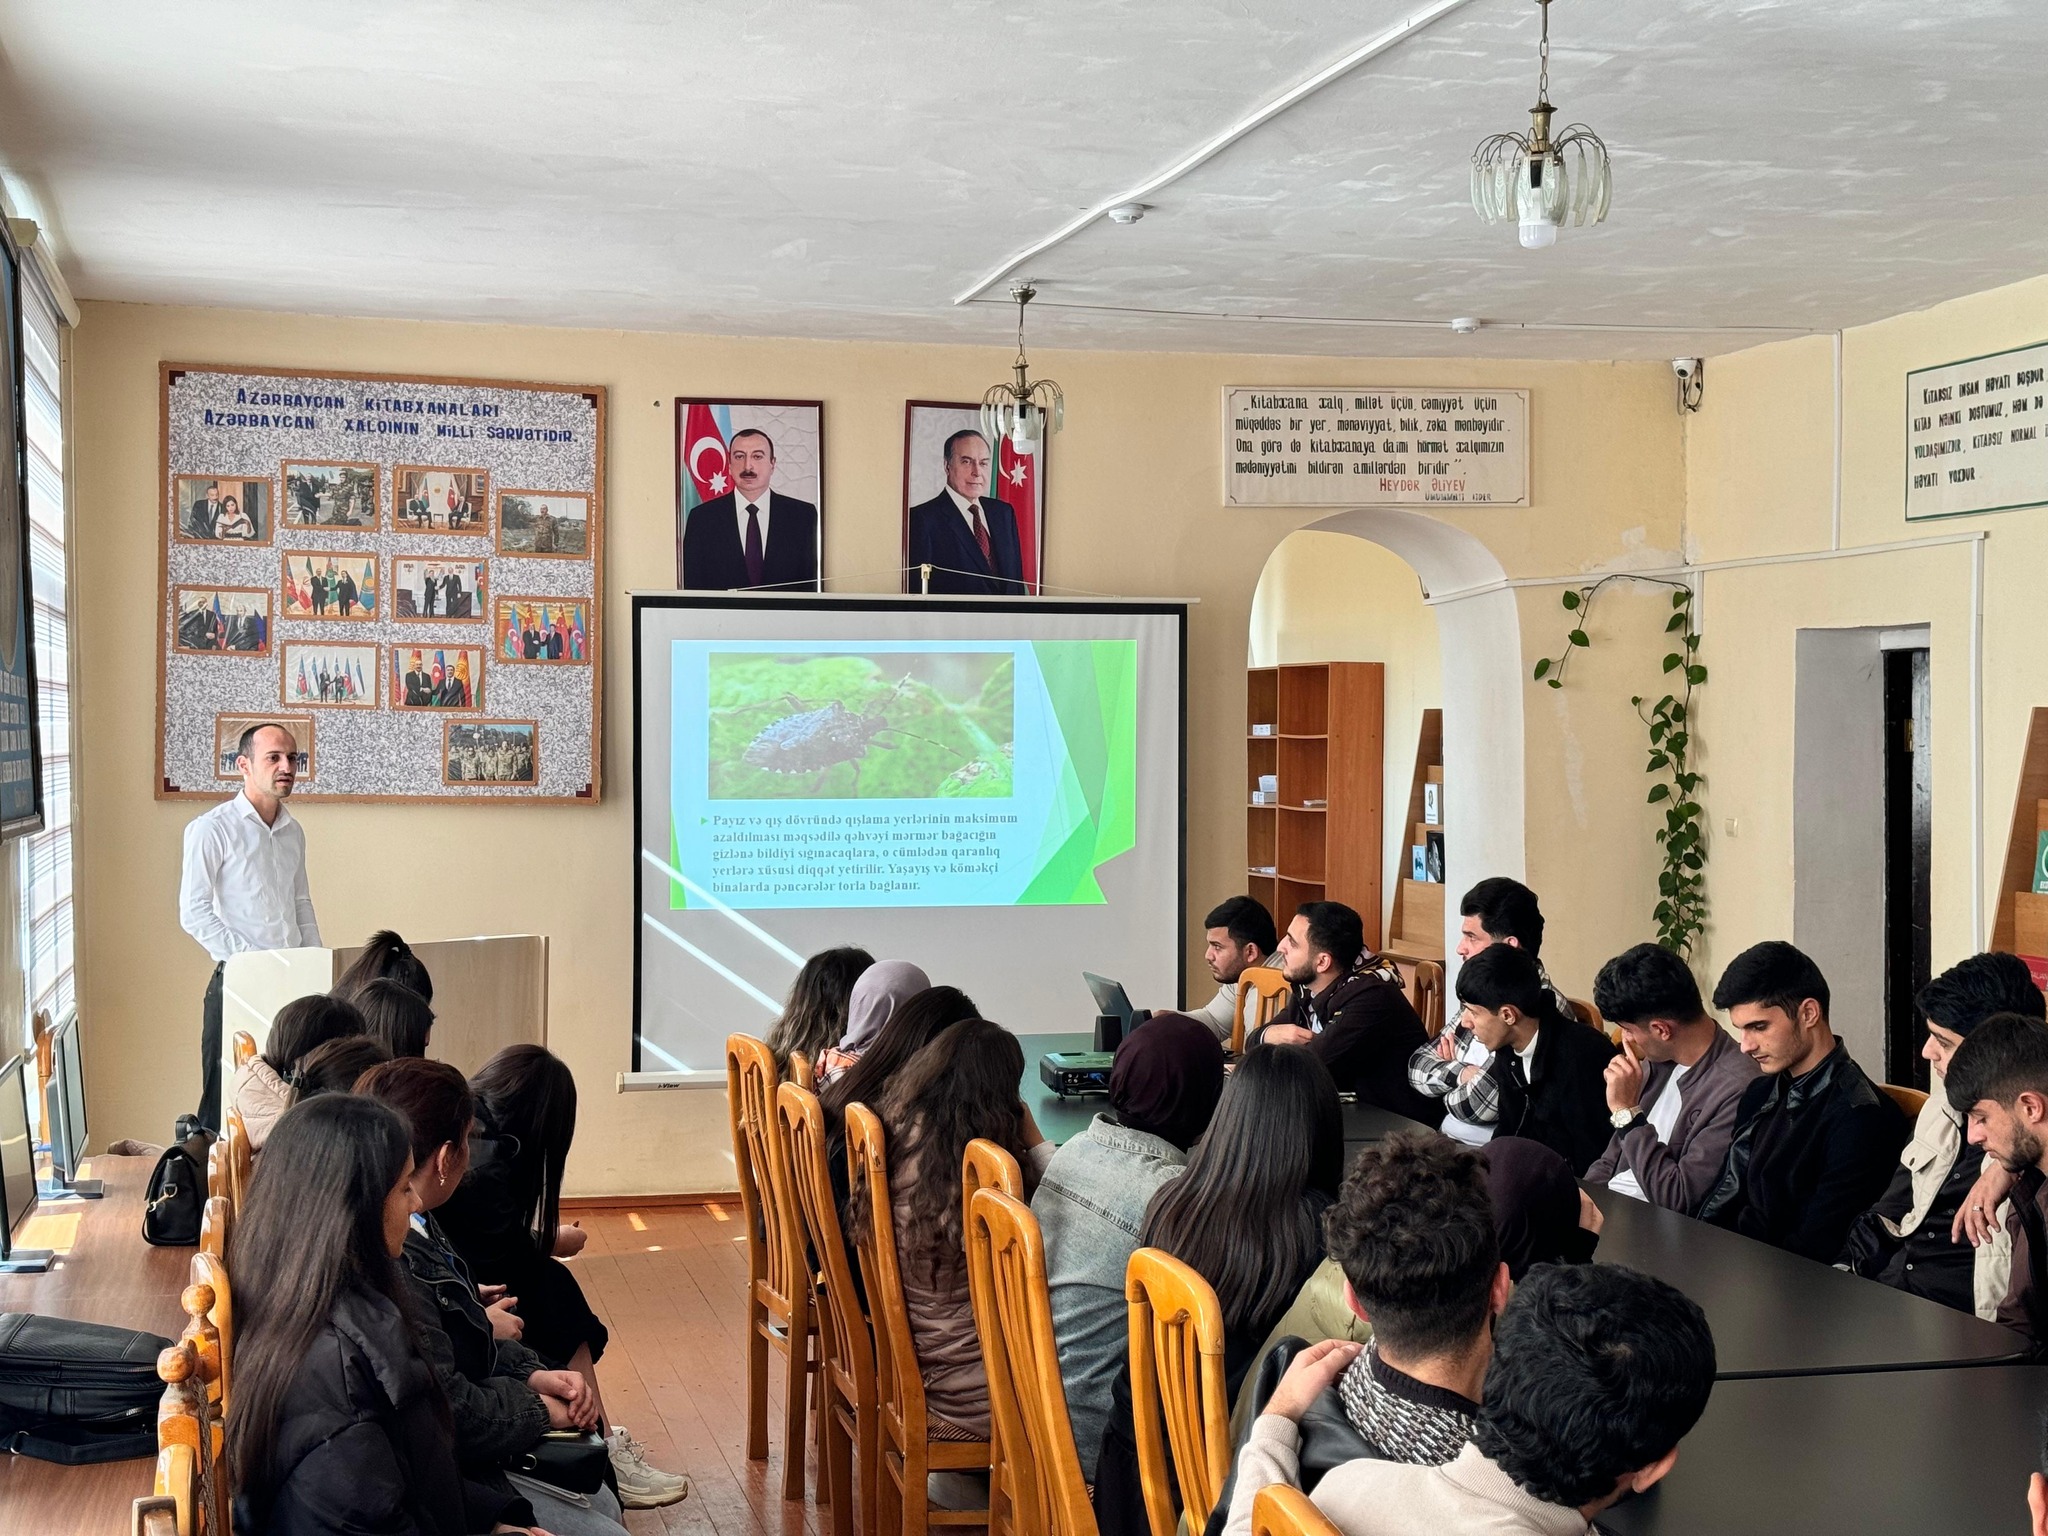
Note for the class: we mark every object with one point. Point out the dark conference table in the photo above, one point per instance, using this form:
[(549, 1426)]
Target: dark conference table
[(1945, 1451)]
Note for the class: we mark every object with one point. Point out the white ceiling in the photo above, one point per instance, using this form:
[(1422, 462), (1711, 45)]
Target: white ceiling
[(794, 167)]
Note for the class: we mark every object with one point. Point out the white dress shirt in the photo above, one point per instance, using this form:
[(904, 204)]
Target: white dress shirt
[(739, 512), (967, 507), (244, 886)]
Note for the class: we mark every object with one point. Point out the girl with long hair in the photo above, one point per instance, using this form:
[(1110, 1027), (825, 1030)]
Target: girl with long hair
[(263, 1086), (815, 1016), (961, 1086), (396, 1015), (338, 1424), (910, 1029), (388, 956), (505, 1220), (1247, 1216)]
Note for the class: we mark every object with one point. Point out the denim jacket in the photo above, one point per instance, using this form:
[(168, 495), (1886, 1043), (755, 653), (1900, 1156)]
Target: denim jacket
[(1090, 1205)]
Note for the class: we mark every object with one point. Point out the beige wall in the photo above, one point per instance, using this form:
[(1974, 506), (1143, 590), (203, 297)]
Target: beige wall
[(1135, 510)]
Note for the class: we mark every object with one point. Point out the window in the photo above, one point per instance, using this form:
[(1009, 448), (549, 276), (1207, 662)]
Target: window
[(45, 868)]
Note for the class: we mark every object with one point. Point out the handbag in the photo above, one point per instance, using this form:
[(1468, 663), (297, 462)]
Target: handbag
[(567, 1459), (177, 1192)]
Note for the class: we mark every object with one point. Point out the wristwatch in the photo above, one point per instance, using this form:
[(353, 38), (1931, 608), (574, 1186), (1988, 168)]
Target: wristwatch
[(1622, 1119)]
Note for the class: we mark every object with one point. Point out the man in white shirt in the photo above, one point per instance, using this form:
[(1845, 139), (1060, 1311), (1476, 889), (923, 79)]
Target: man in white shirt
[(1240, 936), (244, 886)]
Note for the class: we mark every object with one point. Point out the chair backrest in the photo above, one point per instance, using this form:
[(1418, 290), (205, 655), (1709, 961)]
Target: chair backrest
[(241, 1159), (1911, 1100), (987, 1166), (1586, 1013), (1271, 991), (211, 1271), (187, 1441), (217, 1171), (849, 1341), (1013, 1317), (899, 1386), (779, 1266), (802, 1071), (1177, 1374), (216, 1222), (1279, 1509), (245, 1048), (1426, 992)]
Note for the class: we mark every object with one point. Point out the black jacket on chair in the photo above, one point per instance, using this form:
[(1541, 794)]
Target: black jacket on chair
[(362, 1442), (1563, 1103)]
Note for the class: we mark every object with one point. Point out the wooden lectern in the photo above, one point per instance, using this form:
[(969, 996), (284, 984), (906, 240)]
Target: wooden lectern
[(488, 993)]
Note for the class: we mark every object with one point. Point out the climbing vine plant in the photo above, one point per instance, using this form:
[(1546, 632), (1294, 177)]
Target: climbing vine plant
[(1681, 887)]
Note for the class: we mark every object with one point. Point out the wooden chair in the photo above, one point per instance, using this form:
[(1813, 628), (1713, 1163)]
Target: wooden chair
[(216, 1222), (245, 1048), (1426, 992), (1177, 1373), (1270, 988), (187, 1440), (988, 1166), (210, 1272), (1911, 1100), (217, 1171), (1280, 1509), (846, 1395), (802, 1072), (778, 1268), (1013, 1316), (906, 1450), (1586, 1013), (241, 1159)]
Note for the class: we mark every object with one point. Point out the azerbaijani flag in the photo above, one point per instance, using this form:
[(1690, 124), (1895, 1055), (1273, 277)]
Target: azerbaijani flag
[(1016, 481), (512, 646), (701, 471)]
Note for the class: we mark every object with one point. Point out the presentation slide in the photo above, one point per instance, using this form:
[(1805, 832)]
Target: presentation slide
[(881, 771)]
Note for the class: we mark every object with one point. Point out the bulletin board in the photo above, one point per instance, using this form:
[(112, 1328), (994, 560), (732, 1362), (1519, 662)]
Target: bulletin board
[(408, 572)]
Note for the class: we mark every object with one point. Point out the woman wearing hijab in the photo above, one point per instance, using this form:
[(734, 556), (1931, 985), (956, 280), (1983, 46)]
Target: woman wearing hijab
[(1091, 1203), (883, 987)]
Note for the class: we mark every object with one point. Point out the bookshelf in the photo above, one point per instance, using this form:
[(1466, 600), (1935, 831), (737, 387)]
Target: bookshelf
[(1419, 904), (1316, 731), (2021, 924)]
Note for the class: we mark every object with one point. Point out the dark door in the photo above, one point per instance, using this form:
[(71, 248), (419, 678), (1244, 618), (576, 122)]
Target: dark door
[(1908, 846)]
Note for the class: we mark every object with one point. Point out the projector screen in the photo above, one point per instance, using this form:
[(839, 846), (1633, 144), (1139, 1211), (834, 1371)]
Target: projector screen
[(991, 788)]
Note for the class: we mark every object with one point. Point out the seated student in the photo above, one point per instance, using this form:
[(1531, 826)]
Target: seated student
[(1672, 1094), (1597, 1373), (882, 988), (335, 1066), (1247, 1216), (1998, 1082), (961, 1086), (263, 1086), (1348, 1008), (1240, 936), (505, 1220), (396, 1016), (910, 1029), (1814, 1140), (388, 956), (1910, 1237), (338, 1426), (1091, 1203), (502, 1397), (814, 1017), (1452, 1068), (1548, 1074)]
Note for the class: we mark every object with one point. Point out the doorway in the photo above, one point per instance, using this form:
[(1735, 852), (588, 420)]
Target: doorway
[(1908, 850)]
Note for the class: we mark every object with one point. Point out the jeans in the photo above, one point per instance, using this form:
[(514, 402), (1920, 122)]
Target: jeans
[(561, 1513), (209, 1052)]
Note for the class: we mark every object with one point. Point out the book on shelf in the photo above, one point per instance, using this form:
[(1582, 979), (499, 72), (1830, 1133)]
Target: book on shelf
[(1418, 863), (1262, 730), (1432, 805), (2041, 865), (1433, 853)]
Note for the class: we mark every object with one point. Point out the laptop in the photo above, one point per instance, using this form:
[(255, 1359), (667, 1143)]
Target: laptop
[(1111, 1001), (1068, 1072)]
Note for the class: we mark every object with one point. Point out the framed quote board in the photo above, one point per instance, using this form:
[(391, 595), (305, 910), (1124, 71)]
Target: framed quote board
[(410, 567)]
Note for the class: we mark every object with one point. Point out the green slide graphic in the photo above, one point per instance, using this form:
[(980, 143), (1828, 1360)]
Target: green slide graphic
[(1092, 686)]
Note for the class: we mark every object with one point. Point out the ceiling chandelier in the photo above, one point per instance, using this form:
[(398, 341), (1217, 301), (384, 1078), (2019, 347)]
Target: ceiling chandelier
[(1023, 412), (1536, 181)]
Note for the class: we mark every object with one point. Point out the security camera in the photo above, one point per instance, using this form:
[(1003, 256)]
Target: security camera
[(1691, 376), (1686, 367)]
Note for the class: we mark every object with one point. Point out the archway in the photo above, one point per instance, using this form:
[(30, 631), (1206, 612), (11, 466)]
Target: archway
[(1478, 675)]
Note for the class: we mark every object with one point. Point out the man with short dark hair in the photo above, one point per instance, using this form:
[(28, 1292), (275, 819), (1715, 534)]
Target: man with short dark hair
[(1597, 1373), (968, 537), (1922, 1234), (1503, 911), (1240, 936), (1348, 1007), (751, 537), (1673, 1089), (1547, 1075), (1814, 1139), (1998, 1083)]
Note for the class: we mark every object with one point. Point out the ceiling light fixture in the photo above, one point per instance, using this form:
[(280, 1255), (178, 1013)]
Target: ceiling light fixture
[(1023, 412), (1536, 181)]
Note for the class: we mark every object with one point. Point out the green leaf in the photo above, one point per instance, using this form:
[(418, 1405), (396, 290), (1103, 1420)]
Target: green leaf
[(1681, 597), (1690, 810), (1677, 740), (1659, 792), (1677, 622), (1677, 711), (1672, 662), (1578, 637), (1692, 642), (1542, 667), (1658, 760), (1695, 675), (1658, 730), (1556, 682), (1572, 601), (1694, 861)]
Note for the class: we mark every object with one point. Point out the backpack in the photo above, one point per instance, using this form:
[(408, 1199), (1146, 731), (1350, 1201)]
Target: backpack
[(77, 1393), (177, 1192)]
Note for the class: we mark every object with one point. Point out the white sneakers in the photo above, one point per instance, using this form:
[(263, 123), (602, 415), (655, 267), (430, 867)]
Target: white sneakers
[(640, 1485)]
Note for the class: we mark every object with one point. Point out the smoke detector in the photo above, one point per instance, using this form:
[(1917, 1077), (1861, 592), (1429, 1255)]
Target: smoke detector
[(1464, 325), (1127, 213)]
